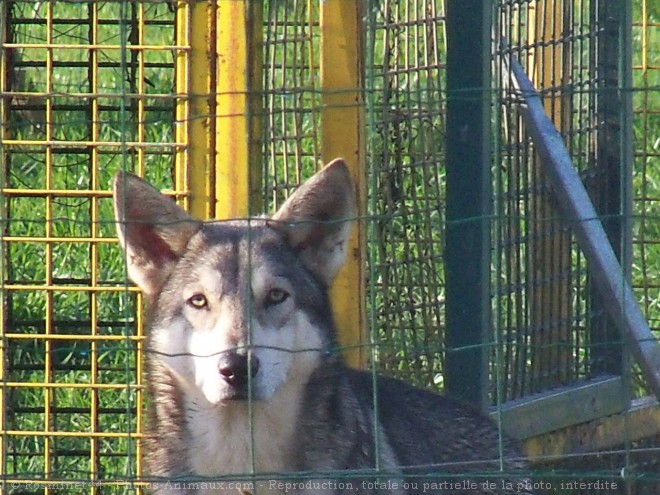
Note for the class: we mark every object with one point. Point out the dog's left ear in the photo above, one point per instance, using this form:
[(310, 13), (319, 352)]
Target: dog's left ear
[(317, 219)]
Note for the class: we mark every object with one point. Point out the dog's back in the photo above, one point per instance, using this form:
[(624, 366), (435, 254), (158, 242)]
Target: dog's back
[(243, 374), (420, 442)]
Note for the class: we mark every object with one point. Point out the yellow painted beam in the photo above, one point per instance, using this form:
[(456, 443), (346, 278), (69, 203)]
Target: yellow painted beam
[(551, 60), (237, 133), (550, 252), (342, 123), (639, 422), (3, 134), (194, 66)]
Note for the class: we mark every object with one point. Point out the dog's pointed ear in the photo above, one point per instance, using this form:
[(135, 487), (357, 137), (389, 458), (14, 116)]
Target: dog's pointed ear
[(318, 217), (152, 229)]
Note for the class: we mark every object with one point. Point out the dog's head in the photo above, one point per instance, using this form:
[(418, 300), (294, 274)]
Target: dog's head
[(240, 306)]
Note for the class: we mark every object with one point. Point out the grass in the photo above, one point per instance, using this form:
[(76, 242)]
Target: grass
[(406, 238)]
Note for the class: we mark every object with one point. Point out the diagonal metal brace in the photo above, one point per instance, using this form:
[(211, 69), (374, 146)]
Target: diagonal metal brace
[(580, 213)]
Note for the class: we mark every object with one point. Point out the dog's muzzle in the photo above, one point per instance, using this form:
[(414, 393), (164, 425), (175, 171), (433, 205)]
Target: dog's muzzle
[(237, 369)]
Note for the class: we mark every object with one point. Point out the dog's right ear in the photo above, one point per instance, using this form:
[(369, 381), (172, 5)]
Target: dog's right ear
[(152, 229)]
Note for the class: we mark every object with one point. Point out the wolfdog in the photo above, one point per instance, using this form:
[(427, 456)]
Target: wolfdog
[(246, 390)]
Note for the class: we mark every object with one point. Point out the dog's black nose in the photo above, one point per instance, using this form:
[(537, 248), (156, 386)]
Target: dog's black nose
[(235, 367)]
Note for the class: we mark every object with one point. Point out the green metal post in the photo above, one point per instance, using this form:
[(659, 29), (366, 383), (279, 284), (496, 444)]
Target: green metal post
[(613, 200), (467, 253)]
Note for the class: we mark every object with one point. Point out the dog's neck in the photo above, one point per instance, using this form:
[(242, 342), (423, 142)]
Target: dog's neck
[(240, 438)]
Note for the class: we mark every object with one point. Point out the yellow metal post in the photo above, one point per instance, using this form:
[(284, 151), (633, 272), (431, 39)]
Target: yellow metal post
[(551, 60), (551, 251), (237, 159), (93, 297), (48, 328), (3, 214), (194, 68), (342, 121)]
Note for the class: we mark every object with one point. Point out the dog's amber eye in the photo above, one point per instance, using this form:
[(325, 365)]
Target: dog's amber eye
[(198, 301), (276, 296)]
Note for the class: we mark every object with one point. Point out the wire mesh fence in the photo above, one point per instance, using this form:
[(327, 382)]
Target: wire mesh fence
[(89, 88), (646, 152), (547, 307), (406, 152), (292, 137), (553, 325)]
